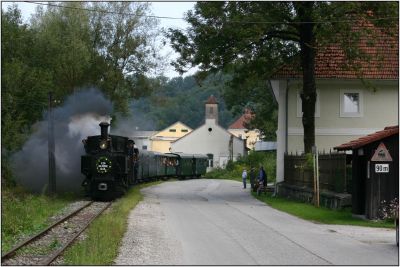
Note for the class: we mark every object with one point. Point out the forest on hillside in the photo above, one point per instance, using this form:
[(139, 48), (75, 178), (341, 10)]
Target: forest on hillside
[(179, 99)]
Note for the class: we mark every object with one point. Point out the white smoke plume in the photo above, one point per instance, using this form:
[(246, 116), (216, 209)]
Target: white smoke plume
[(79, 117)]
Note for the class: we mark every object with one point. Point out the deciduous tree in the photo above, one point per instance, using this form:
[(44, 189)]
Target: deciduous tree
[(252, 39)]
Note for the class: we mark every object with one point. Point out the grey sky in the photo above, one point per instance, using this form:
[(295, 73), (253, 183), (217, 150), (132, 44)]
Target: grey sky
[(163, 9)]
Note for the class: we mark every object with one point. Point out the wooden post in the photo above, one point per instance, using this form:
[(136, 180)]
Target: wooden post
[(51, 148), (314, 176), (317, 171)]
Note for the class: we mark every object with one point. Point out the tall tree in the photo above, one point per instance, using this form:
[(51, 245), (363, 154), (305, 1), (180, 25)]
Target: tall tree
[(252, 39), (123, 49)]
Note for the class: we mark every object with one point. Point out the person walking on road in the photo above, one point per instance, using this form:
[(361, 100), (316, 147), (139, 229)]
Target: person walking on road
[(244, 176), (262, 176), (252, 177)]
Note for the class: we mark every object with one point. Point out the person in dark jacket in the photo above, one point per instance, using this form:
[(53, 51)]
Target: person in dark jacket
[(252, 177), (262, 176)]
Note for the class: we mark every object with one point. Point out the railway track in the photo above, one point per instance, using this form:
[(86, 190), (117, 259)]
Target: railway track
[(45, 247)]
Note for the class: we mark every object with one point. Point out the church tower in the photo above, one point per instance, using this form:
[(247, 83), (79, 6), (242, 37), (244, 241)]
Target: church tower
[(212, 109)]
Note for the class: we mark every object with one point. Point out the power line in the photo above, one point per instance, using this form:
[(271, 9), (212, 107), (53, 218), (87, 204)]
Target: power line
[(102, 11), (232, 21)]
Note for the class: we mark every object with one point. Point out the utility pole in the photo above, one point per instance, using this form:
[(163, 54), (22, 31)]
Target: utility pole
[(51, 148)]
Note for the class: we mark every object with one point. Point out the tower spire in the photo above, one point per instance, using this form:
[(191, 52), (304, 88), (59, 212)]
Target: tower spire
[(212, 109)]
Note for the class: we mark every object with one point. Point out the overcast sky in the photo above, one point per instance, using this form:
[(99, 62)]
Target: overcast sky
[(163, 9)]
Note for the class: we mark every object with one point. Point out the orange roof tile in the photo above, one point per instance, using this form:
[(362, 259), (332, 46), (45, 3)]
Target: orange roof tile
[(388, 131), (240, 123), (330, 61)]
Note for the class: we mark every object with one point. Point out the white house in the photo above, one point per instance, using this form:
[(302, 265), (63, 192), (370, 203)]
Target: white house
[(142, 139), (211, 139), (346, 108), (239, 129)]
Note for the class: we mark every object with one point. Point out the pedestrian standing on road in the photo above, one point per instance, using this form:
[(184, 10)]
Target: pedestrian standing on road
[(252, 177), (244, 176), (262, 176)]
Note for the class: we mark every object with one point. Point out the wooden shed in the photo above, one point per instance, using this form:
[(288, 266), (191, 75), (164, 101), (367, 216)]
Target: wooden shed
[(375, 170)]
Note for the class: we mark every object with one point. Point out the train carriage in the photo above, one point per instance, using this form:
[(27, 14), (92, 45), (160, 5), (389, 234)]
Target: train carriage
[(190, 165), (201, 162)]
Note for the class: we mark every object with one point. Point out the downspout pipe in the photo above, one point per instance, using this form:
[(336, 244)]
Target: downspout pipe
[(286, 115)]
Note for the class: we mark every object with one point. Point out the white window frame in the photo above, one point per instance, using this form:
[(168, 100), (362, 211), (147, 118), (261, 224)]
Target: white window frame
[(358, 114), (299, 107)]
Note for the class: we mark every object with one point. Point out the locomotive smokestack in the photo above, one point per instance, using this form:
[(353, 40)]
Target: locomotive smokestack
[(104, 130)]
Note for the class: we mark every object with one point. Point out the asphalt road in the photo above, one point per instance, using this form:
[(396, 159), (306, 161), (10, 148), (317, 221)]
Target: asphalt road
[(216, 222)]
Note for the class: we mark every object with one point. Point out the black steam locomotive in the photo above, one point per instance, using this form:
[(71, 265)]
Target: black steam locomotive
[(112, 164)]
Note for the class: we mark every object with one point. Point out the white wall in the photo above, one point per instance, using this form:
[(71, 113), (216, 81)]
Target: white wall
[(203, 141), (380, 109)]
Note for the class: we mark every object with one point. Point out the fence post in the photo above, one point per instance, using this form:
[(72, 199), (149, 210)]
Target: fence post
[(317, 167)]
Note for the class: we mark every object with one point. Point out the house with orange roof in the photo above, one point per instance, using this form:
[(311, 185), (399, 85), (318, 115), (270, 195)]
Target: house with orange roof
[(349, 104), (239, 129)]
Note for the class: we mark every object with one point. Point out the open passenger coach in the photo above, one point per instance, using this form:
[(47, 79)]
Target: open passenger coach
[(111, 165)]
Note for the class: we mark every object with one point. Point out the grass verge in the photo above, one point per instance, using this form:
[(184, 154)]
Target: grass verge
[(319, 215), (104, 235), (24, 214)]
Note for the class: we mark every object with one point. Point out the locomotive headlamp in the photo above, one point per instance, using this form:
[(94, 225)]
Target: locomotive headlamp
[(103, 165), (103, 144)]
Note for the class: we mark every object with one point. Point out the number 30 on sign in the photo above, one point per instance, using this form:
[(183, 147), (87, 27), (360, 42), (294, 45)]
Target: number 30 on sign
[(381, 168)]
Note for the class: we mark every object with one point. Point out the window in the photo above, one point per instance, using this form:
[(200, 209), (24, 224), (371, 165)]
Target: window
[(144, 147), (184, 130), (351, 103), (211, 110), (300, 109), (172, 130)]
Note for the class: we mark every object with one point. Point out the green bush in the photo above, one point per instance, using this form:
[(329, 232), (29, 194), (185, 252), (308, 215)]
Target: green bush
[(234, 170)]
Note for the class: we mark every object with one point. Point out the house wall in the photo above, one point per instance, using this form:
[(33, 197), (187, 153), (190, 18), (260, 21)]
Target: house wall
[(141, 142), (161, 141), (161, 146), (216, 142), (251, 136), (380, 109)]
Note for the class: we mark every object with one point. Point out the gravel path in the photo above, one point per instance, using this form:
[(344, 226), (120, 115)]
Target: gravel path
[(146, 222), (216, 222)]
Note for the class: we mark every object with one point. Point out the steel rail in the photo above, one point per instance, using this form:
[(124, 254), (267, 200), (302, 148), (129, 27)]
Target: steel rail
[(61, 250), (31, 239)]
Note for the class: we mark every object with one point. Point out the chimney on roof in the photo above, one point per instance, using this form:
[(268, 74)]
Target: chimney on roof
[(212, 109)]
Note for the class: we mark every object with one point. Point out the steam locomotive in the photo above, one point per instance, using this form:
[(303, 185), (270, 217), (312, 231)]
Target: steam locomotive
[(112, 164)]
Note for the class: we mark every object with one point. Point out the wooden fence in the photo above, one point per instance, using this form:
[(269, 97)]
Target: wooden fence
[(333, 173)]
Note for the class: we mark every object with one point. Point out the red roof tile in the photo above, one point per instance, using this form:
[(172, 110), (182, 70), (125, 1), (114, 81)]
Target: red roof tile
[(388, 131), (240, 123), (331, 62), (212, 100)]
